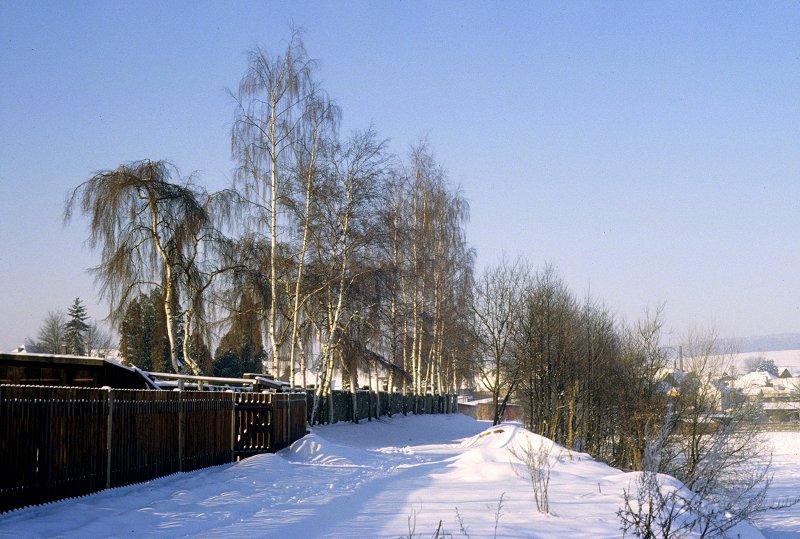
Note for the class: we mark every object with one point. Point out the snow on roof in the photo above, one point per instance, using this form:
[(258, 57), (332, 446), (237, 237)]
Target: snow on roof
[(757, 378), (665, 372)]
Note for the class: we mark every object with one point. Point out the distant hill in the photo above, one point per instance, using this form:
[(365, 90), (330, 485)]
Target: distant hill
[(762, 343), (750, 345)]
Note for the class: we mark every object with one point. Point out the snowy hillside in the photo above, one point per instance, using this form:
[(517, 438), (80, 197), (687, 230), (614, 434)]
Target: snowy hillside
[(784, 359), (762, 343), (368, 480)]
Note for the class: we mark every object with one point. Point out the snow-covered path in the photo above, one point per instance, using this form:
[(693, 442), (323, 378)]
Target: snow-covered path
[(345, 480)]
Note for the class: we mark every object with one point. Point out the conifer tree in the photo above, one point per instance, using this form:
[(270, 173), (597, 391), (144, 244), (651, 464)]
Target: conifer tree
[(160, 349), (75, 329), (130, 334), (200, 352), (241, 349), (136, 333)]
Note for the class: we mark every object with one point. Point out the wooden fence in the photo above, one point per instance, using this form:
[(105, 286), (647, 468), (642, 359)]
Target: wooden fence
[(373, 404), (59, 442)]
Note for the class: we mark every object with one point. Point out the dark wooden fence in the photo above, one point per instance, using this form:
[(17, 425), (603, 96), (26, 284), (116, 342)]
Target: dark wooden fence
[(372, 404), (59, 442)]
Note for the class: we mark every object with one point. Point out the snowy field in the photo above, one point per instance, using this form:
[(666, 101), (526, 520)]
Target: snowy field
[(783, 524), (371, 480), (784, 359)]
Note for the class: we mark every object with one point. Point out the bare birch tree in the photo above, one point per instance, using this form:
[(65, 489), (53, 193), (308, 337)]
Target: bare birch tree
[(342, 244), (270, 103), (312, 134)]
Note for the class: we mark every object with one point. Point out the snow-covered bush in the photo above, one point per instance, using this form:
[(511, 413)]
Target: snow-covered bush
[(719, 481)]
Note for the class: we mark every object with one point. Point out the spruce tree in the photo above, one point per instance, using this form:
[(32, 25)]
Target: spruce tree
[(76, 328), (135, 330), (159, 340), (200, 352), (128, 332), (241, 349)]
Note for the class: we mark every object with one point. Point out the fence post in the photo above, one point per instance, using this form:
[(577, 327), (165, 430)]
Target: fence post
[(272, 401), (233, 426), (109, 429), (288, 419), (181, 425)]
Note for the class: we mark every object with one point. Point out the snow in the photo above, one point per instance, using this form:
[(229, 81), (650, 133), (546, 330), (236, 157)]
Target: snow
[(373, 480), (487, 400), (760, 382), (754, 382), (785, 523), (784, 359)]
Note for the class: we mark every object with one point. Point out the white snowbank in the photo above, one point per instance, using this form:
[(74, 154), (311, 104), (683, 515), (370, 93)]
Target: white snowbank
[(316, 450)]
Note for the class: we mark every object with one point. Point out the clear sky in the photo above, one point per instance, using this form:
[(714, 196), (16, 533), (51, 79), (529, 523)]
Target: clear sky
[(650, 151)]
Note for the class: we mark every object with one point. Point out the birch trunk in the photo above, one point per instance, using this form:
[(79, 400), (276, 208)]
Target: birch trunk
[(273, 236), (301, 257), (169, 317)]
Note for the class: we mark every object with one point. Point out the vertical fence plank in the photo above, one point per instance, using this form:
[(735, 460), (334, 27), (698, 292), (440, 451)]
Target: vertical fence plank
[(181, 428), (233, 427), (109, 431)]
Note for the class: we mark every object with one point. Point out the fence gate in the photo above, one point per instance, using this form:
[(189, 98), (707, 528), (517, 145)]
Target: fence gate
[(253, 431)]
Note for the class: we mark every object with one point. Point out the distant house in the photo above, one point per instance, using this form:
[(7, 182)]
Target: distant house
[(782, 411), (785, 374), (483, 410)]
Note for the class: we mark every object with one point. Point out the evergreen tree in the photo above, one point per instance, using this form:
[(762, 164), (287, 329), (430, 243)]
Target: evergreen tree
[(241, 350), (200, 352), (227, 362), (143, 335), (236, 355), (768, 365), (75, 329), (159, 342), (129, 330), (136, 332)]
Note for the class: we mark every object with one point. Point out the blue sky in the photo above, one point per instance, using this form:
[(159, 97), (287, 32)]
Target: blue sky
[(648, 151)]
